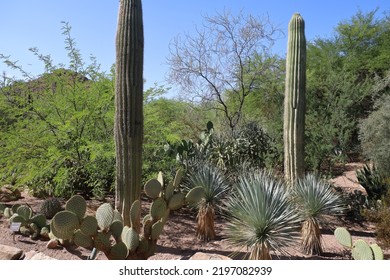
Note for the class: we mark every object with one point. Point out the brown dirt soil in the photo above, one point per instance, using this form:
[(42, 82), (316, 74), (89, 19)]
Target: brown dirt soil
[(178, 239)]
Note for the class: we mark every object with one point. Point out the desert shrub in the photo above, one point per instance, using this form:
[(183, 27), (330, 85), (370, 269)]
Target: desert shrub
[(58, 135), (373, 182), (381, 218), (375, 136), (89, 178), (249, 145), (355, 202)]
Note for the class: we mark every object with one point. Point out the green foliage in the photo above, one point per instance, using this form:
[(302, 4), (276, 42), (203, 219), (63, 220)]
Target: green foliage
[(375, 136), (342, 72), (373, 182), (249, 145), (260, 215), (380, 216), (57, 135), (360, 249)]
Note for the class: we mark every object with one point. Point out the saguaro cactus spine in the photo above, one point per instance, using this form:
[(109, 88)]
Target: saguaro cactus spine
[(294, 103), (128, 105)]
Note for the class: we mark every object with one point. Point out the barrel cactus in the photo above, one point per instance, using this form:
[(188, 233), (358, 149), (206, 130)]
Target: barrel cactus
[(50, 206), (294, 100)]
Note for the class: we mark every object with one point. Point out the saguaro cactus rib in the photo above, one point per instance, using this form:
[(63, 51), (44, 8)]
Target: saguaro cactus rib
[(294, 103), (129, 105)]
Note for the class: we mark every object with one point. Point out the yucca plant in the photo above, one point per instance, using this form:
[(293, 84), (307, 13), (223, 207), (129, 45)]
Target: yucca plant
[(215, 186), (314, 199), (261, 216)]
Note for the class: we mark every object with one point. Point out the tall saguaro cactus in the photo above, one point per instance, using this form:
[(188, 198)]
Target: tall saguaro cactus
[(294, 103), (128, 106)]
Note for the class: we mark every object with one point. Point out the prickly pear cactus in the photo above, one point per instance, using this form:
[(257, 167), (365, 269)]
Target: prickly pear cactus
[(106, 231), (343, 237), (30, 224), (360, 249)]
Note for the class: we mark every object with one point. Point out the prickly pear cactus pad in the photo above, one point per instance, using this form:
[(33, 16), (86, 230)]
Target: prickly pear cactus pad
[(82, 240), (131, 239), (176, 201), (64, 224), (118, 252), (153, 188), (25, 212), (77, 205), (195, 195), (104, 216), (377, 251), (362, 251), (158, 208), (89, 225), (343, 237), (39, 220)]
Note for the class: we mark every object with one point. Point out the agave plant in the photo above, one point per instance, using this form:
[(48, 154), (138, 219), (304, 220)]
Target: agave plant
[(215, 186), (261, 217), (314, 199)]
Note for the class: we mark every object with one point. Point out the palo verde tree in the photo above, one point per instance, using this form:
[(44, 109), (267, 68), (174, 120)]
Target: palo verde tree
[(294, 104), (220, 63), (129, 106), (56, 127)]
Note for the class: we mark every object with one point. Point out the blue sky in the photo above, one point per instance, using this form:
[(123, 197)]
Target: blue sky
[(27, 23)]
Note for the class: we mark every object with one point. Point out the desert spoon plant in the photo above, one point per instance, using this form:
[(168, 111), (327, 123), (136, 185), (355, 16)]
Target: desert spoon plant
[(211, 185), (314, 199), (294, 100), (261, 217)]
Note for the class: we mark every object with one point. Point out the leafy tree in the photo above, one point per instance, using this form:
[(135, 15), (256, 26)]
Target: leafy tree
[(57, 137), (375, 136), (341, 74)]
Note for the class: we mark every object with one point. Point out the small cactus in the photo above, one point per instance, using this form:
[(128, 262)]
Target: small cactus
[(360, 249), (50, 207), (77, 205), (105, 216), (64, 224)]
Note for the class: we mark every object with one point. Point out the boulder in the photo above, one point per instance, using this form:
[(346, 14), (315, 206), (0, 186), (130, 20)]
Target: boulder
[(9, 193), (207, 256), (34, 255), (10, 253)]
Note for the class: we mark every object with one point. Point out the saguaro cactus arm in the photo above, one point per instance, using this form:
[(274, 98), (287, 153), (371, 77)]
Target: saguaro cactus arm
[(129, 105), (294, 103)]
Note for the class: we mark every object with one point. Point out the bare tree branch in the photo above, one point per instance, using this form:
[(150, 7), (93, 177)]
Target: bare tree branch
[(220, 63)]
